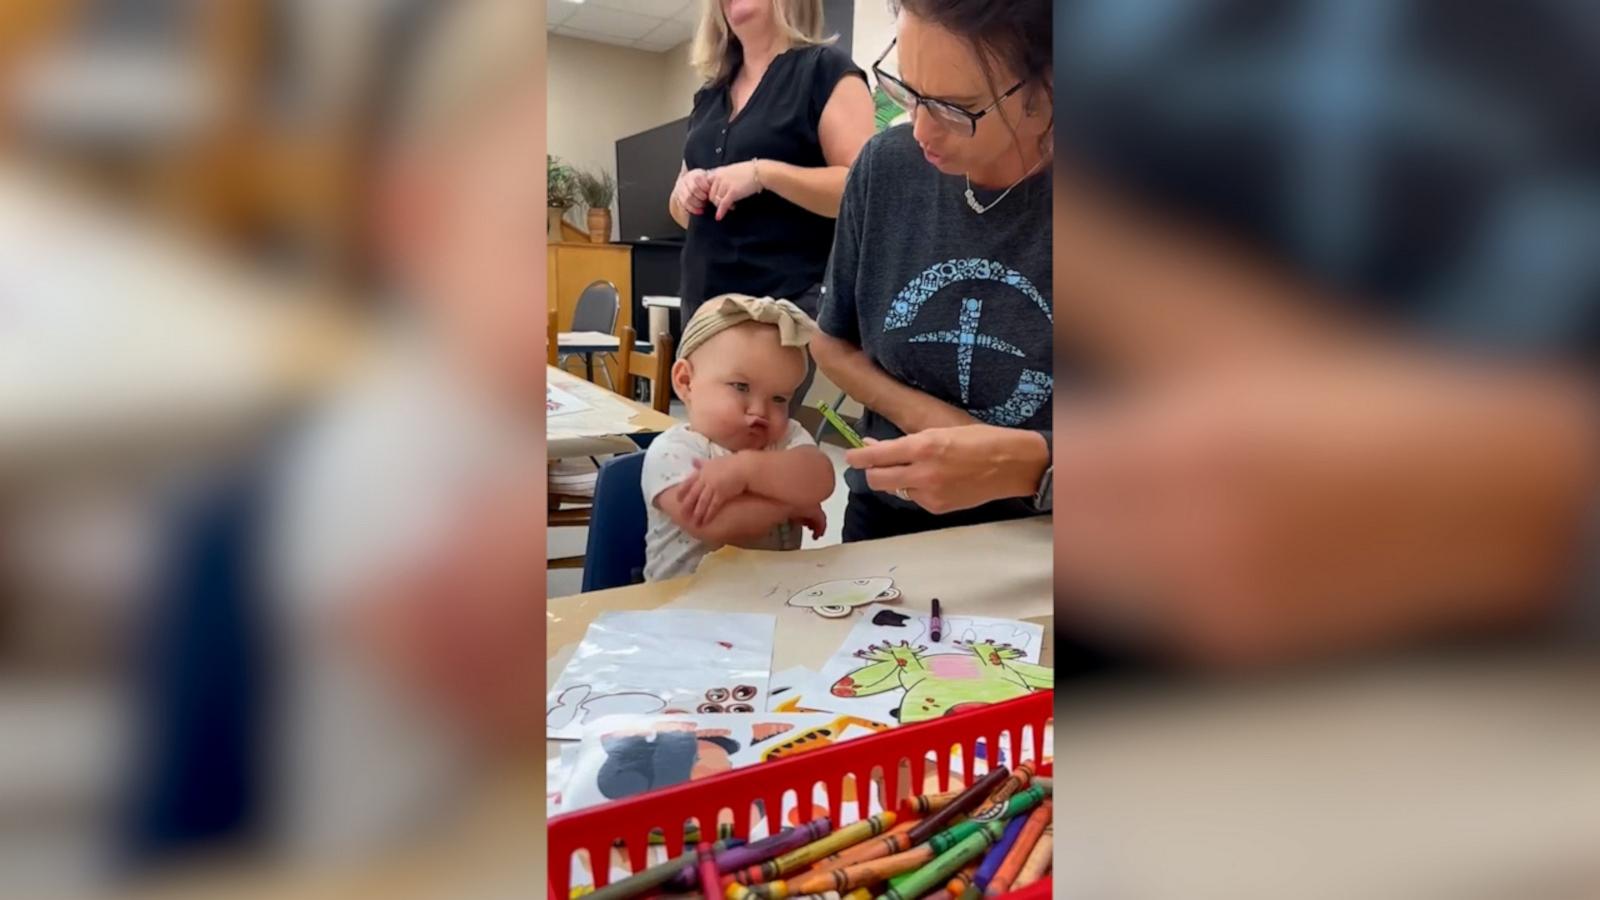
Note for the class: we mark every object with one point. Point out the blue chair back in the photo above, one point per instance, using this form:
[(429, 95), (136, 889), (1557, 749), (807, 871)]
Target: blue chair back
[(617, 523)]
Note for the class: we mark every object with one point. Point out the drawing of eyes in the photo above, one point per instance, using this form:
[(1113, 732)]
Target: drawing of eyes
[(709, 708), (717, 695), (741, 708), (744, 692)]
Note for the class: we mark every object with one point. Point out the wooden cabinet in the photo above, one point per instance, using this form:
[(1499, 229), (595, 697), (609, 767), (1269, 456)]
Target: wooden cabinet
[(575, 266)]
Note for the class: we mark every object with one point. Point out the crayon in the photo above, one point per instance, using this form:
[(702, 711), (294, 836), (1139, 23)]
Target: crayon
[(929, 877), (767, 848), (708, 869), (858, 894), (873, 849), (1044, 782), (1038, 861), (971, 893), (1011, 866), (997, 854), (1016, 806), (795, 859), (845, 431), (689, 878), (856, 875), (927, 804), (648, 880), (1020, 776), (963, 804), (964, 879)]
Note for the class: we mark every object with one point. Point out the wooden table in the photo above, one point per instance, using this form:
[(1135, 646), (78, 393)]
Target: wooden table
[(602, 428)]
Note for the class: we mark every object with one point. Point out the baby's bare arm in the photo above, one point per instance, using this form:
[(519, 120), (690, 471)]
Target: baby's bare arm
[(798, 477), (745, 518)]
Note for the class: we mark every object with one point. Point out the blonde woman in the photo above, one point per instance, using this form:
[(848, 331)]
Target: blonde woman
[(774, 131)]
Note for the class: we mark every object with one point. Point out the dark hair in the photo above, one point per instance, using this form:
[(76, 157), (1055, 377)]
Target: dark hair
[(1016, 33)]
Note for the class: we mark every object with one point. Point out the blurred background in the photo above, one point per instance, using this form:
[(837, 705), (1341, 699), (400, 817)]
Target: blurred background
[(216, 263)]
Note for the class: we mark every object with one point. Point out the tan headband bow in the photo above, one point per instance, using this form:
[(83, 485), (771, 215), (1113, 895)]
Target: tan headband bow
[(721, 313)]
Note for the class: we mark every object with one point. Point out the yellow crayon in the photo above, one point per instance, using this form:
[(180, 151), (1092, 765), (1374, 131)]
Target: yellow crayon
[(882, 846), (794, 861)]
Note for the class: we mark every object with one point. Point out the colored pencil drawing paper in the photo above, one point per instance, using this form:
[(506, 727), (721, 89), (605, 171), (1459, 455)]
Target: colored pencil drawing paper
[(623, 756), (560, 403), (898, 673), (674, 661)]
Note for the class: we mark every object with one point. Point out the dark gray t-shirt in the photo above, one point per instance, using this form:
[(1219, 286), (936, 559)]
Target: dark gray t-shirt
[(950, 302)]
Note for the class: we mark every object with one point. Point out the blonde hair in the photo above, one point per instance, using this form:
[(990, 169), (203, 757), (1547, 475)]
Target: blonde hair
[(716, 52)]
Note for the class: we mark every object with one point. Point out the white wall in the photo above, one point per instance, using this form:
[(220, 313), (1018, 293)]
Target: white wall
[(598, 93), (873, 29)]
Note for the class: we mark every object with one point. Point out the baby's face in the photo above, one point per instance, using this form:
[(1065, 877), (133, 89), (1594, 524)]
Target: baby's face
[(738, 384)]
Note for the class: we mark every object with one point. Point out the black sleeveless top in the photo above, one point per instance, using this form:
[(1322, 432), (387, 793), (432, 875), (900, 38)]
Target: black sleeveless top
[(766, 245)]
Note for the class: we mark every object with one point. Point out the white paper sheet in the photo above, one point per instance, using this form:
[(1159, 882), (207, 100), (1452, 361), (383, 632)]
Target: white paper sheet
[(645, 663), (976, 660), (560, 403)]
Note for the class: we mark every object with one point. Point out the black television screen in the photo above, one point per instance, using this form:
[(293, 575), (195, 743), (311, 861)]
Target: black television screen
[(647, 168)]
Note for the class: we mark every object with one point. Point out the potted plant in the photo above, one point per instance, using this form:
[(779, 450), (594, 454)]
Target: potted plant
[(598, 188), (561, 190)]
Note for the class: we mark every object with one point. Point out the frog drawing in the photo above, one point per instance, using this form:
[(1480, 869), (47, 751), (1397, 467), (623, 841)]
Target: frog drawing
[(979, 673), (835, 599)]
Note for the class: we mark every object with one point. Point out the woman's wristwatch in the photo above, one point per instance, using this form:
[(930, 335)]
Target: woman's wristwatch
[(1044, 495)]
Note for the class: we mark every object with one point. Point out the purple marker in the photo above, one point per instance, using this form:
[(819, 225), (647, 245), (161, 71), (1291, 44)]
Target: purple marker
[(936, 626)]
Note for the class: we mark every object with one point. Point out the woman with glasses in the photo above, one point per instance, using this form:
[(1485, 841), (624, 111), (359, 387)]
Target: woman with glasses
[(937, 311), (772, 136)]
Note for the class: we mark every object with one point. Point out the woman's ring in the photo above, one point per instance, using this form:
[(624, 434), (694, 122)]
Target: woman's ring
[(902, 494)]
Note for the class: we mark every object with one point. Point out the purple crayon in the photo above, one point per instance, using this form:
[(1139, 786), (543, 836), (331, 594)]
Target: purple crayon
[(737, 857)]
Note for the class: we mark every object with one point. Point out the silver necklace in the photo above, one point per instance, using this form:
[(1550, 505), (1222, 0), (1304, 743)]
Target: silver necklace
[(980, 209)]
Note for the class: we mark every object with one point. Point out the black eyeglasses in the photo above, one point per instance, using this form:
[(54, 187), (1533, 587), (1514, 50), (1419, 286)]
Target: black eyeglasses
[(949, 115)]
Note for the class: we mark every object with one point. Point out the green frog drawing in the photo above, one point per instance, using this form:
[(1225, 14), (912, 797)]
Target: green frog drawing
[(980, 673)]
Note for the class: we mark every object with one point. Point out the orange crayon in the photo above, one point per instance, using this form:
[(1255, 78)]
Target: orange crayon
[(1027, 839), (927, 804), (1037, 865), (856, 876)]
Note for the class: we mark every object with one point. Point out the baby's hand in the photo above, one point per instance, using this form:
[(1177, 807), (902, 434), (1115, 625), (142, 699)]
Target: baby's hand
[(713, 484), (813, 518)]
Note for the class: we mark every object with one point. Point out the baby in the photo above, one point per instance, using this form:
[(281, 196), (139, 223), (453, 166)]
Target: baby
[(740, 472)]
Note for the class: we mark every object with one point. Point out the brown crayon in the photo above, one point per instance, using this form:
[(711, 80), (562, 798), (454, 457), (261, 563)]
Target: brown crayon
[(1020, 776), (963, 804), (795, 860), (967, 877), (1011, 866), (927, 804), (1038, 862)]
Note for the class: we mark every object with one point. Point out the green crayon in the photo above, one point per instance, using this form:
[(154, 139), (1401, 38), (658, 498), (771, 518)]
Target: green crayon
[(645, 881), (1017, 805), (845, 431), (938, 873)]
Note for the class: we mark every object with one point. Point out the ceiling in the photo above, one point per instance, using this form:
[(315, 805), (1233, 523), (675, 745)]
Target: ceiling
[(652, 25)]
